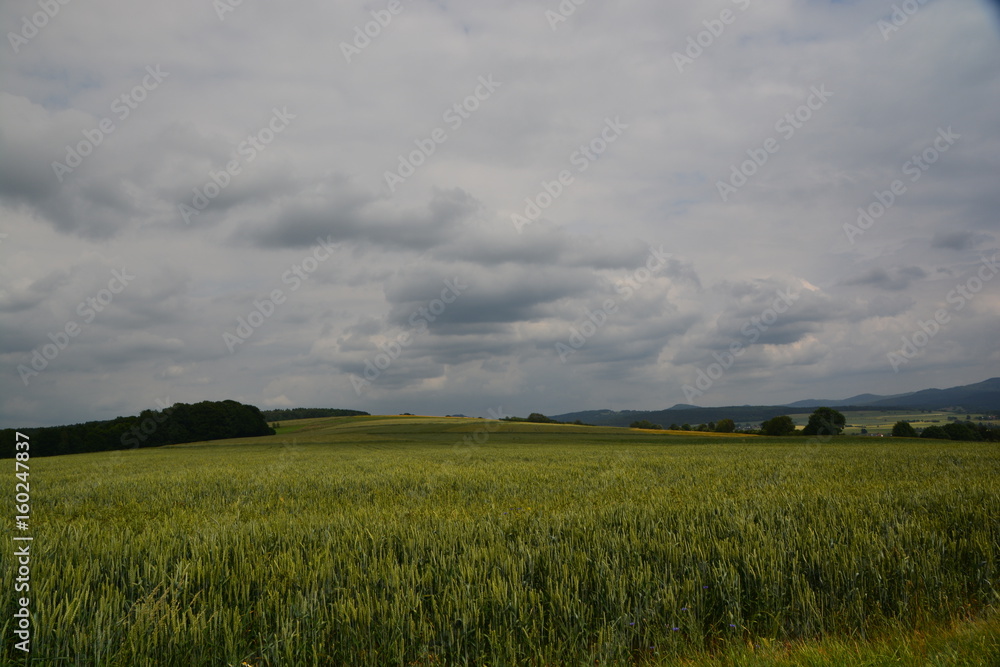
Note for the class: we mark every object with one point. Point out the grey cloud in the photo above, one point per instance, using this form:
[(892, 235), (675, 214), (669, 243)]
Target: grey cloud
[(893, 278), (654, 186), (959, 240), (28, 147), (884, 305), (13, 300), (497, 296), (94, 200), (349, 216)]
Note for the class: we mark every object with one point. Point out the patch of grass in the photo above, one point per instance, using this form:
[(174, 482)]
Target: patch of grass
[(710, 434), (968, 643)]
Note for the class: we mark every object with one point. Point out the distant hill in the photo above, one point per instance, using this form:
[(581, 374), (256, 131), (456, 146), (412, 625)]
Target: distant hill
[(979, 397), (860, 400), (972, 397), (740, 414)]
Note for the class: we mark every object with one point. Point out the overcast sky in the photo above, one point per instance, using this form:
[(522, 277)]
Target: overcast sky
[(517, 205)]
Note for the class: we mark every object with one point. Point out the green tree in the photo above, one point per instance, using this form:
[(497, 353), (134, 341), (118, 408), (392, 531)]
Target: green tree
[(935, 432), (539, 418), (782, 425), (903, 429), (961, 431), (825, 421), (725, 426)]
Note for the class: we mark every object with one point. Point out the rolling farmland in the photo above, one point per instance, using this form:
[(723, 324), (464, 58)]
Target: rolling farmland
[(429, 541)]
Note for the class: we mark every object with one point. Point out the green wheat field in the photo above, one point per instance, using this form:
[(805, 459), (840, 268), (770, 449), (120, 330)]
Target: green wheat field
[(452, 541)]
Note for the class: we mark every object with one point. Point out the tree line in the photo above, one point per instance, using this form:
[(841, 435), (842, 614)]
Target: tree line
[(827, 421), (722, 426), (289, 414), (178, 424), (539, 418), (968, 431)]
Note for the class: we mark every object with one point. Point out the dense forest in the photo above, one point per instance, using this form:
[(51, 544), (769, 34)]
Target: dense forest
[(180, 423), (310, 413)]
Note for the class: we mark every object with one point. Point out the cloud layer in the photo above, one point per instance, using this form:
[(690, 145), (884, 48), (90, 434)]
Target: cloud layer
[(450, 207)]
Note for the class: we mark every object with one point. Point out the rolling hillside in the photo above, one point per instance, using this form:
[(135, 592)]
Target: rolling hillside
[(979, 397)]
